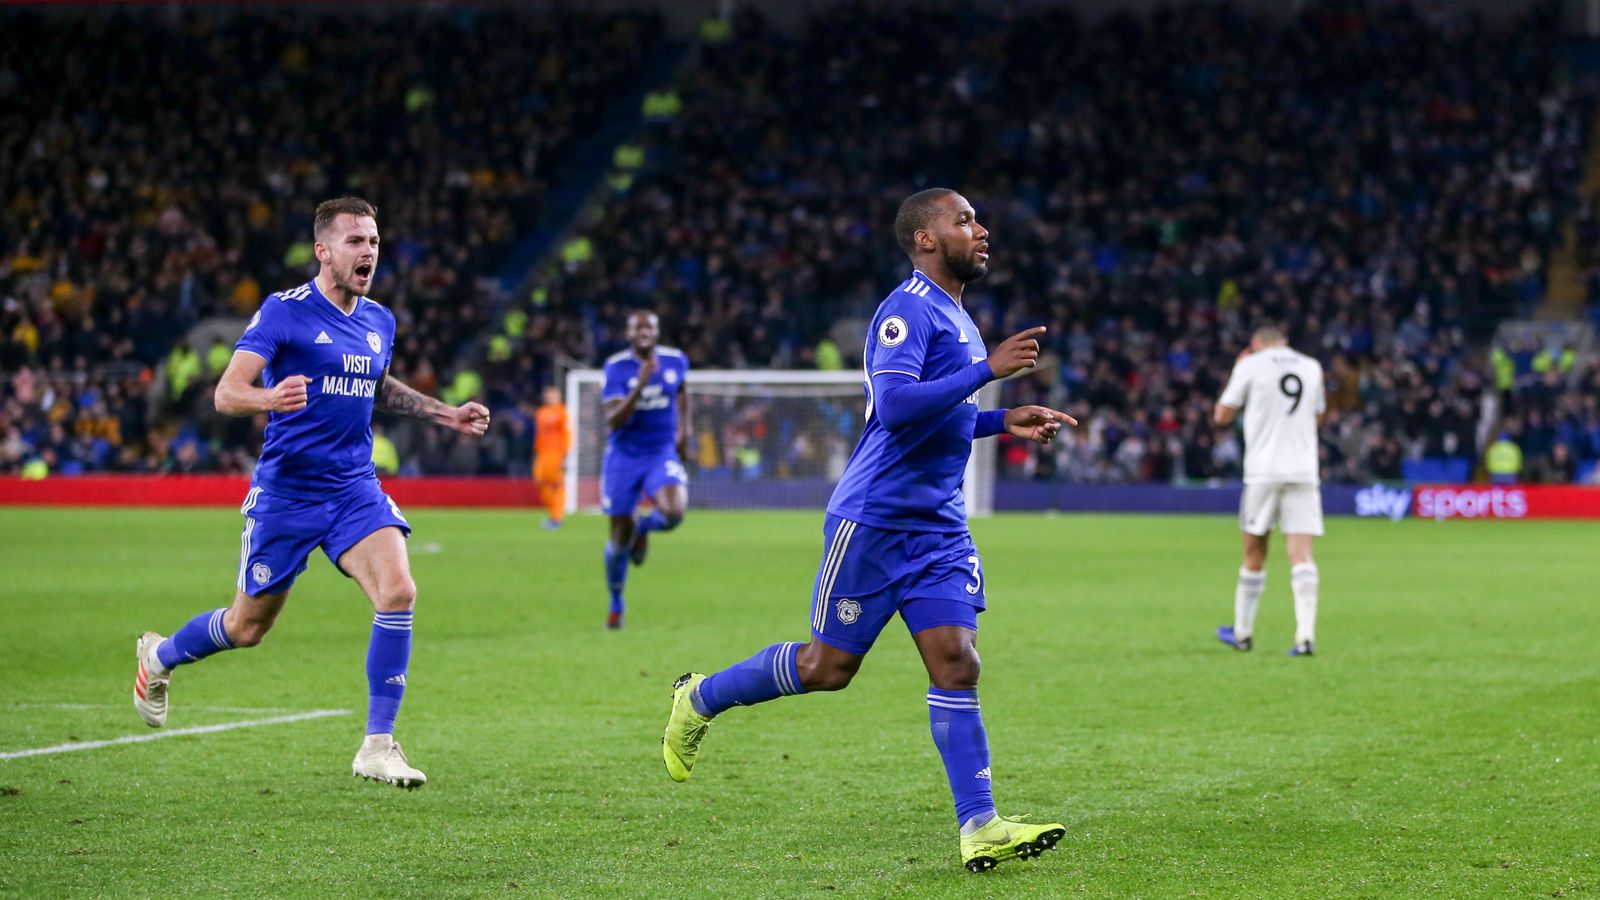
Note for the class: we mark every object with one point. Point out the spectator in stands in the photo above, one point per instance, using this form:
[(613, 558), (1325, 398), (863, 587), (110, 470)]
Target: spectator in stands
[(1503, 460)]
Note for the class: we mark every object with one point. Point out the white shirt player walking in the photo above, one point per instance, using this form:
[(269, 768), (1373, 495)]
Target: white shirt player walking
[(1280, 392)]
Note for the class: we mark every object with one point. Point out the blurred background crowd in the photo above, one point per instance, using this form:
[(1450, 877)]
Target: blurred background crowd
[(1390, 186)]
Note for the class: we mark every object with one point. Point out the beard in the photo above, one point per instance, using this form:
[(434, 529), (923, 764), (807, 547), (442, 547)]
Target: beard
[(966, 268)]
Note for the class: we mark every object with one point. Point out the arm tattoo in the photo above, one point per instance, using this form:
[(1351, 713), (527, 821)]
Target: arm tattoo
[(394, 397)]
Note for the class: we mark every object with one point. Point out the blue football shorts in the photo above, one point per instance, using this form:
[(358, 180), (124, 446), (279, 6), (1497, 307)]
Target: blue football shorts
[(280, 533), (625, 478), (868, 574)]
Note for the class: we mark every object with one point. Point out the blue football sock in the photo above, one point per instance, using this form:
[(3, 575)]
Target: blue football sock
[(768, 675), (616, 575), (200, 637), (655, 521), (387, 657), (958, 733)]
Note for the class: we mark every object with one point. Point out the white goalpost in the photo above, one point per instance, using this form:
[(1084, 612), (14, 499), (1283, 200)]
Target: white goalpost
[(763, 439)]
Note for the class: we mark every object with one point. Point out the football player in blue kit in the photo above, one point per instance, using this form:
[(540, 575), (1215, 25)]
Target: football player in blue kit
[(646, 402), (322, 352), (895, 539)]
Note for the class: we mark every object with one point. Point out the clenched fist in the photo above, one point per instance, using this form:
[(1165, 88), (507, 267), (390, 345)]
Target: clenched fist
[(288, 395), (469, 418), (647, 369)]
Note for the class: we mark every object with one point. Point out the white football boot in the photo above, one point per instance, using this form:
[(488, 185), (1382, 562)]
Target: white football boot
[(150, 685), (381, 759)]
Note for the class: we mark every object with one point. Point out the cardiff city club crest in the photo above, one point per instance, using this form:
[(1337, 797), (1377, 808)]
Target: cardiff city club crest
[(849, 611), (892, 333), (375, 342), (261, 573)]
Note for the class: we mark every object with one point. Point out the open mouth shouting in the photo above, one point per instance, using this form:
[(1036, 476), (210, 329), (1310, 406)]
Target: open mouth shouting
[(363, 273)]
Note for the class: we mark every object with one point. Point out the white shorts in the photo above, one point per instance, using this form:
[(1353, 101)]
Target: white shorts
[(1293, 508)]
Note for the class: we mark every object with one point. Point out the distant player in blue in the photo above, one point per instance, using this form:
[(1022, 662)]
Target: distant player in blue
[(322, 351), (895, 538), (646, 400)]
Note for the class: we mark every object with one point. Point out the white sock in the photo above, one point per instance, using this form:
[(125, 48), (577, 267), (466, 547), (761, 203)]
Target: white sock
[(377, 741), (972, 825), (1303, 580), (1246, 597), (152, 661)]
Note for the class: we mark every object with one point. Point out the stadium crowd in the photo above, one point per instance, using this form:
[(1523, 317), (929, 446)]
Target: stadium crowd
[(127, 217), (1387, 185)]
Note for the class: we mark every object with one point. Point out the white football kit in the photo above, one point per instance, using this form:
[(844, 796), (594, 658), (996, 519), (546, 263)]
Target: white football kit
[(1281, 394)]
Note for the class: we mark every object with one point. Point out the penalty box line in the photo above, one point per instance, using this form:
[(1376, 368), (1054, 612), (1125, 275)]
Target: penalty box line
[(176, 732)]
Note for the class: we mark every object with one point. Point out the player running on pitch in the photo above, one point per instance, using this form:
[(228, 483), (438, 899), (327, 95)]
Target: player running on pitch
[(896, 537), (322, 351), (646, 401), (1281, 393)]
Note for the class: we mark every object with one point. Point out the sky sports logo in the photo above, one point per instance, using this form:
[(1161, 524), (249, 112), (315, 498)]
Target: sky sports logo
[(1383, 501), (1440, 503), (1472, 503)]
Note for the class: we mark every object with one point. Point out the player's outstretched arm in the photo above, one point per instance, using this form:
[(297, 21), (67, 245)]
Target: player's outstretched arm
[(468, 418), (1039, 424), (901, 400), (237, 394)]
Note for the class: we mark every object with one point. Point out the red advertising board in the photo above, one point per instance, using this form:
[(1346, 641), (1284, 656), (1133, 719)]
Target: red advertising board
[(1532, 501), (229, 490)]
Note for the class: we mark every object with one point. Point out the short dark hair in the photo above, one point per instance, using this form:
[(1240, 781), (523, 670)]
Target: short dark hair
[(914, 215), (1270, 334), (328, 210)]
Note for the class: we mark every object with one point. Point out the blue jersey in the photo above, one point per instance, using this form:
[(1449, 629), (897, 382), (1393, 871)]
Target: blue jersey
[(327, 446), (653, 427), (910, 480)]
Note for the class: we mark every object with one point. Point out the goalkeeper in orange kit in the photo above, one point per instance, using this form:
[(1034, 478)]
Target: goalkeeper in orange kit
[(550, 444)]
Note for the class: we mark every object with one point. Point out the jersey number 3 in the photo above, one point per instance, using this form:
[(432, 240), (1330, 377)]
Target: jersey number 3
[(977, 576)]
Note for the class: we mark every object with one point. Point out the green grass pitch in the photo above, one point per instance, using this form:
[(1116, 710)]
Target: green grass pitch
[(1443, 742)]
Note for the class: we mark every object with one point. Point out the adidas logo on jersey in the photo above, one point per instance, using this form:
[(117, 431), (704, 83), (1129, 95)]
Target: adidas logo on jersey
[(984, 774), (322, 338), (401, 680)]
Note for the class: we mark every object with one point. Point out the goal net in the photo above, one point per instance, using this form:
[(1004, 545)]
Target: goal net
[(763, 439)]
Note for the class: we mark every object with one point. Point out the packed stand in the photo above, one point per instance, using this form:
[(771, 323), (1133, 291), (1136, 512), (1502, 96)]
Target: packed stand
[(1556, 431), (168, 177), (1547, 389), (1388, 187)]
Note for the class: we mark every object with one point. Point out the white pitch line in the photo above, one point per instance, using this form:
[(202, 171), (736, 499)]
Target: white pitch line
[(176, 732), (215, 709)]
